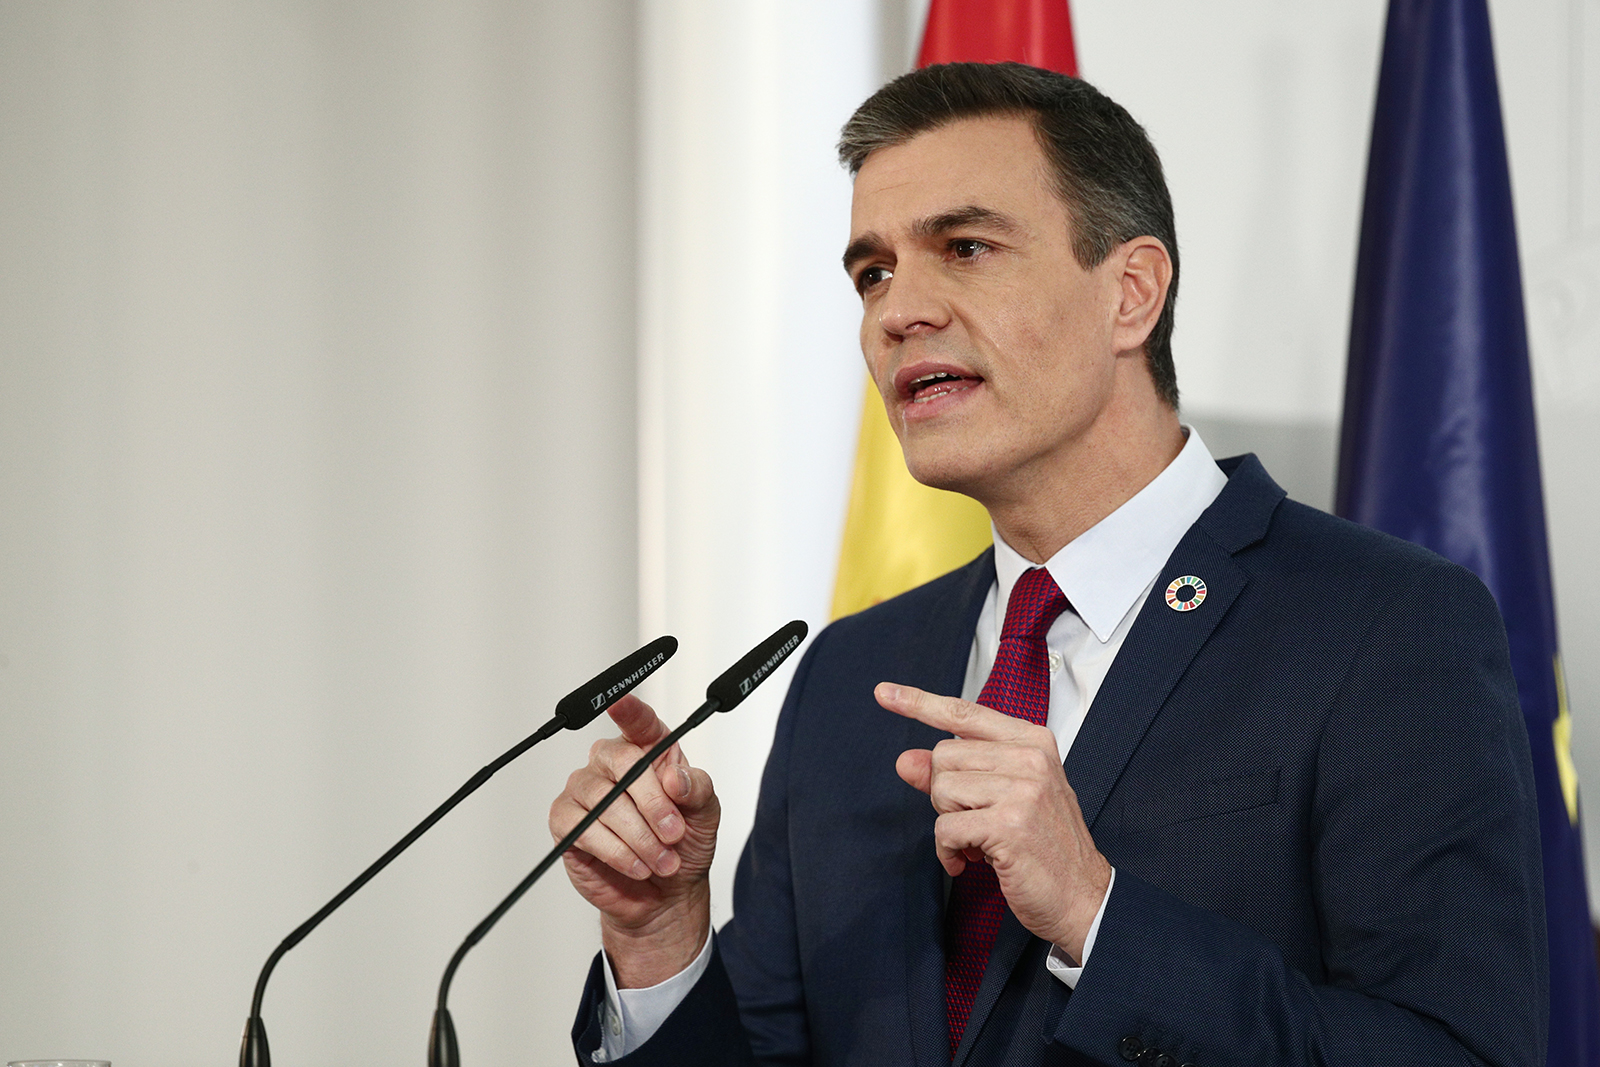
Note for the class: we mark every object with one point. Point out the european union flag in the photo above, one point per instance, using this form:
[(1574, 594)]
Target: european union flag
[(1438, 444)]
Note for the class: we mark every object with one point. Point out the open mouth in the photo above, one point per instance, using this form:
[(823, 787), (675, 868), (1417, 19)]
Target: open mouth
[(939, 383)]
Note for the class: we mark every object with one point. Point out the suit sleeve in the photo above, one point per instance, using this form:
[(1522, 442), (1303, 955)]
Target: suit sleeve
[(1425, 865)]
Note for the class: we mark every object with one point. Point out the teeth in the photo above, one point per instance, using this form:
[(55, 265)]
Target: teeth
[(940, 378)]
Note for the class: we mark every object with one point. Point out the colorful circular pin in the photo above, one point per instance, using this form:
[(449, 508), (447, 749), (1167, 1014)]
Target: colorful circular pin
[(1186, 593)]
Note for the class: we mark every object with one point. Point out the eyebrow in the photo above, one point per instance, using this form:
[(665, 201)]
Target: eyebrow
[(870, 244), (863, 247), (961, 218)]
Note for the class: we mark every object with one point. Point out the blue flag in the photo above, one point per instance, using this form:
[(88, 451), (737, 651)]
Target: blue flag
[(1438, 444)]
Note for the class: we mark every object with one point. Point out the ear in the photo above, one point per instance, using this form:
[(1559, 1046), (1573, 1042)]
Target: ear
[(1144, 275)]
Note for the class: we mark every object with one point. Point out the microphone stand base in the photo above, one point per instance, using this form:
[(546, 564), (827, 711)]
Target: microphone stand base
[(442, 1051), (253, 1047)]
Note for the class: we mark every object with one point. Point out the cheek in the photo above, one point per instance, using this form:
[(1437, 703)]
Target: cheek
[(871, 346)]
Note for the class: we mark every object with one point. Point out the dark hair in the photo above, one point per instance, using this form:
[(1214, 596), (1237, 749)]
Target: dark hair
[(1106, 170)]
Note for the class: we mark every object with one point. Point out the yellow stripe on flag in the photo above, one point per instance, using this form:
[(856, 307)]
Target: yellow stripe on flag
[(898, 533)]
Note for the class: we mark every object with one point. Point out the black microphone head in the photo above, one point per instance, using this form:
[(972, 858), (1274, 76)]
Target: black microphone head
[(738, 681), (578, 708)]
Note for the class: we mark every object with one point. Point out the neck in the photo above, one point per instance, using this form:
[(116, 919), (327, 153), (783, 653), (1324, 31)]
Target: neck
[(1048, 509)]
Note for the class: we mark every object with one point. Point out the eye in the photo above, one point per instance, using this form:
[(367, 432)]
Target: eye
[(872, 276), (967, 247)]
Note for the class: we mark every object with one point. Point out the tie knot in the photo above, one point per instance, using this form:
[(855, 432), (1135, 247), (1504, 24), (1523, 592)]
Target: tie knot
[(1035, 602)]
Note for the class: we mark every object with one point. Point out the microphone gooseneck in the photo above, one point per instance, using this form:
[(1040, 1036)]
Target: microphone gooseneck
[(729, 688), (573, 711)]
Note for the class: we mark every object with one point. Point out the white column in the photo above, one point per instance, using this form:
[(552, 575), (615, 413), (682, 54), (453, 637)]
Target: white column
[(749, 369)]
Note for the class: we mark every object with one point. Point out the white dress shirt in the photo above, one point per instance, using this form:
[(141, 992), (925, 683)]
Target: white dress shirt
[(1106, 573)]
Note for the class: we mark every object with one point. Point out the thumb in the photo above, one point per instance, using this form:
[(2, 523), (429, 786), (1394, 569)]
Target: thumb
[(689, 787), (915, 767)]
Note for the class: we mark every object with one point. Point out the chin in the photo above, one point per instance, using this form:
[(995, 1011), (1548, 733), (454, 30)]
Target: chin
[(956, 473)]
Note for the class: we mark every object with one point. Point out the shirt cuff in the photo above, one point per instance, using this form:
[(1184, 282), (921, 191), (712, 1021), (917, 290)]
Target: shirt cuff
[(630, 1017), (1058, 962)]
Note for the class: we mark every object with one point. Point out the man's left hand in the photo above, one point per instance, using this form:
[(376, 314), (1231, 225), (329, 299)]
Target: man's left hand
[(1002, 796)]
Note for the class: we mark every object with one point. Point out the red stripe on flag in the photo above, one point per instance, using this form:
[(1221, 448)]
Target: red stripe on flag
[(1036, 32)]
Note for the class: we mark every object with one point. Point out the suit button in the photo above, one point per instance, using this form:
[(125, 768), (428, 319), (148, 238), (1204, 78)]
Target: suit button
[(1152, 1057), (1130, 1047)]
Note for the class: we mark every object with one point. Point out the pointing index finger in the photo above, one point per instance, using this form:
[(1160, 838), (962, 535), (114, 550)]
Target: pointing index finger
[(960, 717), (639, 723)]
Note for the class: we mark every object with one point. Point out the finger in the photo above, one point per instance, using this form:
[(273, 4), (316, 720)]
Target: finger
[(624, 818), (691, 789), (639, 723), (599, 842), (1031, 761), (959, 838), (673, 774), (611, 759), (579, 862), (1012, 800), (915, 767), (960, 717)]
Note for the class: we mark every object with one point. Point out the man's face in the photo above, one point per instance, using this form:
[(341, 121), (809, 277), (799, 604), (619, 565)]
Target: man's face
[(992, 347)]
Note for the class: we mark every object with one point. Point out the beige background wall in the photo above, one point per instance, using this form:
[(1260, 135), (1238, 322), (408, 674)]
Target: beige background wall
[(371, 374), (316, 492)]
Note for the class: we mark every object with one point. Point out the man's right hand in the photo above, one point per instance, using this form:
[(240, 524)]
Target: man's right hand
[(644, 863)]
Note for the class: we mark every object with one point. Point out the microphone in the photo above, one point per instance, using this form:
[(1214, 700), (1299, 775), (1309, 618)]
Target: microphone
[(574, 711), (723, 694)]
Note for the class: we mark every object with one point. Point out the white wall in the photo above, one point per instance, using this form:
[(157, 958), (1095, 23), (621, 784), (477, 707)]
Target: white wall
[(316, 491)]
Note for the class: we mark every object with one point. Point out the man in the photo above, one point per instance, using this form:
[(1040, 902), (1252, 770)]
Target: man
[(1294, 822)]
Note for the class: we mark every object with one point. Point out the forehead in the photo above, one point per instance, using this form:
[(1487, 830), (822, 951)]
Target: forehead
[(993, 162)]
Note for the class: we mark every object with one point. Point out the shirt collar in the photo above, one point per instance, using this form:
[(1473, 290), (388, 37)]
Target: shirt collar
[(1106, 569)]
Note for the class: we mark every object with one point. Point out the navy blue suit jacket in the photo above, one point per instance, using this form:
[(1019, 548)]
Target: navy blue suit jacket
[(1315, 788)]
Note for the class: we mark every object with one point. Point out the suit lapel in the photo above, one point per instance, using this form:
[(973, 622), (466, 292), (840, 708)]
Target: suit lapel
[(1157, 652), (935, 659), (1164, 642)]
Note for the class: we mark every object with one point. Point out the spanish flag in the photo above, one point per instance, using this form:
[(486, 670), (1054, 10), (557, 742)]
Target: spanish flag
[(898, 533)]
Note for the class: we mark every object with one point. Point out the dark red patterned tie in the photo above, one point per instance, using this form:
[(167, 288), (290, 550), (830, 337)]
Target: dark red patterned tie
[(1018, 685)]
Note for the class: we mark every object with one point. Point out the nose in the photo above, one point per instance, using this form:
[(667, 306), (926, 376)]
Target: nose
[(912, 304)]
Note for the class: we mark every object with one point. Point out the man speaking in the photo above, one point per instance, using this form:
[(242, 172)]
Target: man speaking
[(1182, 772)]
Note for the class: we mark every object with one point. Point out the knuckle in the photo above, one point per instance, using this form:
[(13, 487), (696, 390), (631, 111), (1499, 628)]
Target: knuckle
[(594, 790)]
